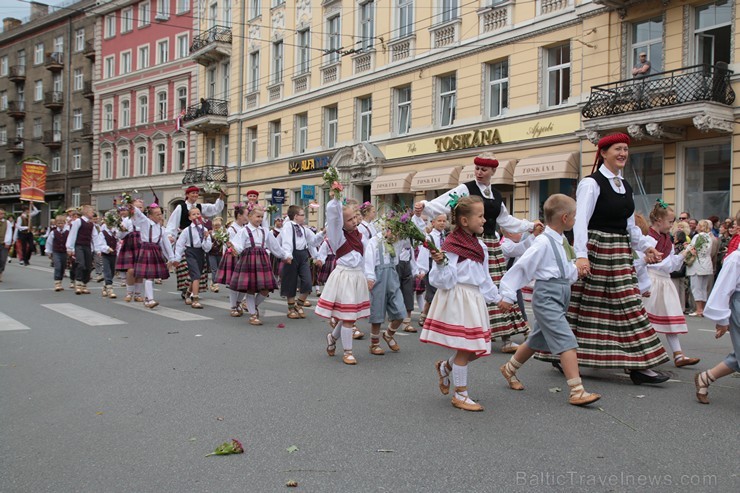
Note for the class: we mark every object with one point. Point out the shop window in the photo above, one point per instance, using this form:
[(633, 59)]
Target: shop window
[(539, 191), (707, 180), (713, 32), (644, 172)]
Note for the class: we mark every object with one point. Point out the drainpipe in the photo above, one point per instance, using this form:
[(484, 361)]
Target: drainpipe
[(240, 123), (67, 109)]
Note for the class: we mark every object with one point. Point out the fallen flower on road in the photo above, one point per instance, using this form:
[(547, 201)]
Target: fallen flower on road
[(292, 484), (555, 389), (280, 326), (228, 448)]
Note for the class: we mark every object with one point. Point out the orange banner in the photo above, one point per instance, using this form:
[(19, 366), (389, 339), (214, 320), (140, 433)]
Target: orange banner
[(33, 180)]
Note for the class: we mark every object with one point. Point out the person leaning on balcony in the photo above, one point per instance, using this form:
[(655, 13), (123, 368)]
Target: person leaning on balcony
[(642, 67), (204, 107)]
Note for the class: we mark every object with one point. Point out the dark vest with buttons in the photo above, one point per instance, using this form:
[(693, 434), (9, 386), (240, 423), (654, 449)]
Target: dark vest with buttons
[(84, 234), (59, 243), (110, 240), (491, 207), (612, 209), (184, 219)]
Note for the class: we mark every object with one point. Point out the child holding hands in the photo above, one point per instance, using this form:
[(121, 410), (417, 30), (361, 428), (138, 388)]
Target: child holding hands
[(194, 242)]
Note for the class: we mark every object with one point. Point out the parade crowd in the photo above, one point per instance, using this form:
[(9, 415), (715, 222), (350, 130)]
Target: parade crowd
[(600, 299)]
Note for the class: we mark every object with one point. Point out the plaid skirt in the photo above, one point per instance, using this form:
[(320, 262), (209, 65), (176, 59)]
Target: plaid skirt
[(183, 276), (253, 272), (606, 311), (502, 324), (327, 268), (420, 285), (150, 263), (129, 251), (277, 265), (226, 269)]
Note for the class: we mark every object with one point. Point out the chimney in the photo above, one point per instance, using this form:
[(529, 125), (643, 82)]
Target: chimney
[(10, 23), (38, 10)]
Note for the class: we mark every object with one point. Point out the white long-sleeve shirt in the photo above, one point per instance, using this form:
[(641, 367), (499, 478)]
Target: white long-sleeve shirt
[(49, 247), (207, 210), (538, 263), (24, 222), (190, 237), (373, 258), (668, 264), (97, 242), (158, 234), (718, 307), (367, 229), (335, 235), (467, 272), (233, 230), (423, 258), (303, 242), (8, 239), (512, 249), (324, 251), (587, 194), (242, 241)]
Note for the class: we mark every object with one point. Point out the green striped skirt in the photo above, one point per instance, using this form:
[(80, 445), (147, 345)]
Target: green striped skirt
[(502, 324), (183, 278)]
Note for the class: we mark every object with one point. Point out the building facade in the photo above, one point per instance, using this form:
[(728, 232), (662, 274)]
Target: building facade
[(46, 73), (401, 94), (144, 83)]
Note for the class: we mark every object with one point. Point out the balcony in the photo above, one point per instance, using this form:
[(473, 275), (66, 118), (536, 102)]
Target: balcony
[(205, 174), (17, 109), (87, 90), (54, 61), (89, 50), (52, 139), (17, 74), (54, 100), (211, 46), (210, 115), (662, 105), (87, 131), (16, 147)]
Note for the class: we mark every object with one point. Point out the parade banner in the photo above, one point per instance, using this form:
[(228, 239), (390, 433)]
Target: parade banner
[(33, 180)]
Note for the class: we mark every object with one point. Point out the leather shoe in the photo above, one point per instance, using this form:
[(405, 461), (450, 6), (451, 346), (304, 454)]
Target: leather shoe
[(638, 378)]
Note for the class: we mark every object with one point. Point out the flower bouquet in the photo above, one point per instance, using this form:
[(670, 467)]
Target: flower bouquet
[(127, 198), (693, 253), (112, 219), (220, 237), (271, 209), (212, 187), (227, 448), (331, 179), (403, 228)]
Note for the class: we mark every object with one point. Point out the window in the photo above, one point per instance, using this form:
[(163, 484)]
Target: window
[(163, 51), (76, 197), (108, 117), (21, 90), (447, 100), (277, 62), (143, 110), (254, 8), (498, 88), (713, 33), (334, 38), (365, 122), (558, 75), (3, 100), (211, 83), (56, 82), (275, 139), (127, 20), (77, 119), (107, 170), (141, 161), (109, 67), (644, 171), (144, 14), (38, 54), (213, 15), (304, 51), (59, 44), (183, 6), (301, 132), (224, 150), (163, 10), (647, 36), (77, 79), (3, 135), (331, 123), (38, 129), (181, 155), (142, 60), (211, 152), (22, 58), (125, 62), (20, 130), (277, 3), (56, 162), (251, 144), (160, 159), (182, 99), (367, 24), (4, 65), (80, 39), (56, 126), (707, 180), (38, 90), (225, 80), (403, 110), (110, 25), (3, 172), (123, 164), (125, 113), (254, 71), (161, 105), (76, 158), (183, 48), (227, 13), (405, 18), (448, 10)]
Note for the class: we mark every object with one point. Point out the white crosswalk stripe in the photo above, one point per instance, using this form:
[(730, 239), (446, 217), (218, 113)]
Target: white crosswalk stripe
[(7, 323), (83, 315), (226, 306), (163, 311)]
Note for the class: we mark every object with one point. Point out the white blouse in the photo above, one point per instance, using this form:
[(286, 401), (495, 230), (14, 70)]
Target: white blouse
[(466, 272), (159, 234), (335, 235), (718, 306), (242, 241), (191, 233)]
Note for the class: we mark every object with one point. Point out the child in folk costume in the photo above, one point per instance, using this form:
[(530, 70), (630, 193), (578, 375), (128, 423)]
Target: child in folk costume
[(513, 246), (73, 213), (110, 236), (346, 297), (641, 267), (276, 263), (407, 272), (723, 307), (229, 259), (420, 285), (663, 306), (551, 262), (367, 224), (155, 252), (126, 259), (82, 241), (458, 317), (424, 260), (296, 241), (56, 249), (194, 243), (214, 256), (98, 258), (326, 261), (253, 272)]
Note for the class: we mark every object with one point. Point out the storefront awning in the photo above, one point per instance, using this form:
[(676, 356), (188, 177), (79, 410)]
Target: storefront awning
[(548, 167), (436, 179), (504, 174), (392, 183)]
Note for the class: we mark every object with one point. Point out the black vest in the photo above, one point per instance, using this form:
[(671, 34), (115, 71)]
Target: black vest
[(491, 207), (184, 219), (612, 209), (59, 243), (85, 233)]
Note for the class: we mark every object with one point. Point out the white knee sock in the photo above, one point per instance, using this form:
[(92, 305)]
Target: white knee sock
[(148, 289), (460, 377), (233, 295), (251, 308), (346, 338), (241, 296), (673, 342), (420, 301), (129, 289), (137, 288)]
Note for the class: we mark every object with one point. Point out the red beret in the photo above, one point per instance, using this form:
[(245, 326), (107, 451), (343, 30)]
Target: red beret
[(605, 142), (252, 192), (191, 189), (488, 163)]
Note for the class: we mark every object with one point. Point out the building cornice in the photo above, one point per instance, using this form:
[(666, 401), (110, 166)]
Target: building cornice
[(47, 21)]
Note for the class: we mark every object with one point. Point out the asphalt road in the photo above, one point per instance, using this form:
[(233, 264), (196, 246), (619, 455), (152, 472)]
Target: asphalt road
[(116, 398)]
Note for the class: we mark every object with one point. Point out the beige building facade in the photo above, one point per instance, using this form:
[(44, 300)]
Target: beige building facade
[(400, 95)]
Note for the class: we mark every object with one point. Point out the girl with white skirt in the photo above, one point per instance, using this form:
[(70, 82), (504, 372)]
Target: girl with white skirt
[(702, 270)]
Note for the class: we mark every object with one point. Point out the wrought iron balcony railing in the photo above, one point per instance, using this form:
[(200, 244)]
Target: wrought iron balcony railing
[(207, 107), (205, 174), (220, 34), (685, 85)]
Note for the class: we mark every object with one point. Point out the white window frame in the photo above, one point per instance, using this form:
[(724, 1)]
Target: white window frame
[(56, 162), (59, 44), (182, 6), (252, 144), (499, 85), (303, 51), (38, 128), (333, 38), (224, 150), (559, 68), (127, 20), (255, 9), (181, 153), (126, 62), (142, 160), (163, 50), (76, 197), (447, 100), (449, 10), (125, 112), (4, 67), (124, 162), (404, 18), (76, 158), (162, 109), (254, 71), (38, 53), (364, 118), (38, 90), (226, 13), (142, 109), (3, 100), (3, 135), (80, 39), (366, 21), (211, 151), (275, 138), (108, 116), (163, 10), (646, 45), (110, 26), (225, 79), (78, 79), (145, 14), (77, 119), (182, 99), (159, 156), (403, 110), (183, 46), (109, 67), (277, 62), (331, 126), (143, 57), (106, 171), (301, 133)]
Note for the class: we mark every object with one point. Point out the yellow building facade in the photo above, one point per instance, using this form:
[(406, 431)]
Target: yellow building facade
[(400, 95)]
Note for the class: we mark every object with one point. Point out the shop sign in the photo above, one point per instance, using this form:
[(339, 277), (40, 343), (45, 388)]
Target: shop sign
[(10, 189), (466, 141), (313, 163), (278, 196), (308, 192)]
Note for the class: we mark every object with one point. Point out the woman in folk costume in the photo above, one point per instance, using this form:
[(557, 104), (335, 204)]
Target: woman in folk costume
[(253, 272), (126, 259), (229, 258), (503, 325), (606, 310)]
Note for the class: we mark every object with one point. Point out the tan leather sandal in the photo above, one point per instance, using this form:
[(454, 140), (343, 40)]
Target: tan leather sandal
[(348, 358), (443, 387), (293, 313), (196, 303), (111, 294), (511, 378), (376, 350), (579, 396), (254, 319), (392, 344), (299, 311), (702, 381), (466, 404), (234, 312), (680, 360), (331, 344)]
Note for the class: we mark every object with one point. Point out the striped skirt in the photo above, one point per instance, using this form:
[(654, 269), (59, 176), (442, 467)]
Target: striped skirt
[(502, 324), (253, 272), (129, 251), (150, 263), (663, 307), (226, 268), (183, 277), (345, 295), (327, 268), (606, 311)]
